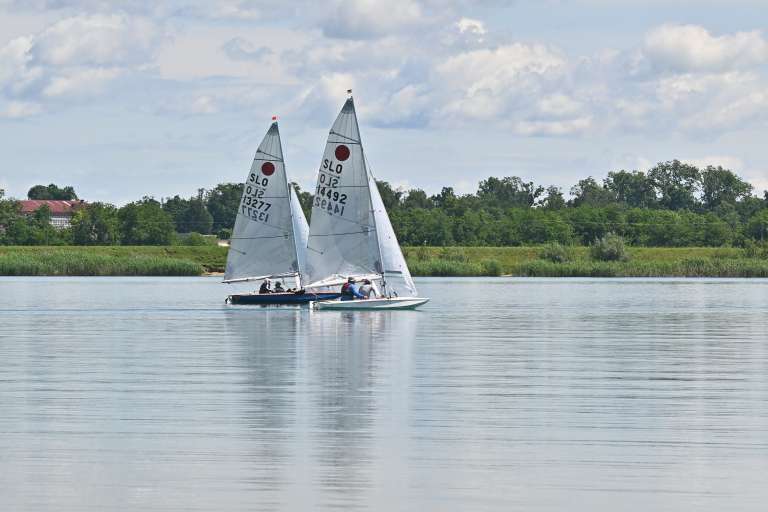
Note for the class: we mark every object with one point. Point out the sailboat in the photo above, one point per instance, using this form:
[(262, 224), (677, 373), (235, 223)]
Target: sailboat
[(350, 234), (269, 239)]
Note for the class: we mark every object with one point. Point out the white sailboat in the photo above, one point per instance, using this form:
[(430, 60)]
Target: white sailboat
[(350, 234), (269, 239)]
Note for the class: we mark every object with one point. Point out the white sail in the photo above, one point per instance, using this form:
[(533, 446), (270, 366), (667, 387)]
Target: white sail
[(342, 237), (300, 231), (350, 232), (263, 242), (397, 277)]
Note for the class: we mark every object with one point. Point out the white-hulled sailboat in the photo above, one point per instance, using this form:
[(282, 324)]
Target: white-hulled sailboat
[(350, 234), (269, 239)]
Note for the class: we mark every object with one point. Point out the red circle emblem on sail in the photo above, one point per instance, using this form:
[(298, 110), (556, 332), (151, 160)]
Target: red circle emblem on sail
[(268, 168), (342, 152)]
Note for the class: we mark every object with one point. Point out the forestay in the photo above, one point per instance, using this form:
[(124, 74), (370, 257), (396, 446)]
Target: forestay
[(350, 232), (268, 223)]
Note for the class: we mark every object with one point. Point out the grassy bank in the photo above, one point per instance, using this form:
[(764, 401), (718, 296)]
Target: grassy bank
[(111, 261), (526, 262), (423, 261)]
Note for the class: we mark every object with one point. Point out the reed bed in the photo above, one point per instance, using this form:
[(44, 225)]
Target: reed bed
[(423, 261), (61, 262), (534, 262)]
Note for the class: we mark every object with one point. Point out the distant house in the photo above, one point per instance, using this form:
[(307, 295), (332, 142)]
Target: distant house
[(61, 211)]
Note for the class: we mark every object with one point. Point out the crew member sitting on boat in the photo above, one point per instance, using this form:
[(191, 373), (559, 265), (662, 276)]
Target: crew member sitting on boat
[(279, 287), (349, 290), (264, 288), (366, 289)]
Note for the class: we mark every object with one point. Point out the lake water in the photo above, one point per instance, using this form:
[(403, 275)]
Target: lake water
[(500, 394)]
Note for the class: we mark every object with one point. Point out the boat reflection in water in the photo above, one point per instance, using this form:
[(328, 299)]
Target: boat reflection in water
[(318, 398)]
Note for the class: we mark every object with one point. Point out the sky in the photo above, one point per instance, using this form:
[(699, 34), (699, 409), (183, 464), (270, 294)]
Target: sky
[(127, 98)]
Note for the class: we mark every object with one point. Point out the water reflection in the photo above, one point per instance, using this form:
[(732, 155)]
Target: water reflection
[(500, 394)]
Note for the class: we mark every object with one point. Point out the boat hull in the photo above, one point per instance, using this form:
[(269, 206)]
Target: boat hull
[(372, 304), (265, 299)]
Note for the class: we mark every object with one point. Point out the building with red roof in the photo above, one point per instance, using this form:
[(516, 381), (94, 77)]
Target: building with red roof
[(61, 211)]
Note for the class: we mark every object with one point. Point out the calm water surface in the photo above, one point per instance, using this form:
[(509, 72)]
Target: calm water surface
[(500, 394)]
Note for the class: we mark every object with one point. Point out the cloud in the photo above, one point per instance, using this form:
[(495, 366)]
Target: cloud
[(20, 109), (367, 19), (75, 57), (96, 40), (687, 48), (470, 26), (80, 82), (239, 48), (490, 83)]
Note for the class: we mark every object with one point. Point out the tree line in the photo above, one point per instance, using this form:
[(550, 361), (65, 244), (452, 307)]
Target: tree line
[(673, 204)]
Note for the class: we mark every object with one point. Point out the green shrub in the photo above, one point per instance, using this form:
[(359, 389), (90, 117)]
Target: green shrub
[(224, 234), (753, 249), (556, 253), (491, 267), (609, 248), (453, 254)]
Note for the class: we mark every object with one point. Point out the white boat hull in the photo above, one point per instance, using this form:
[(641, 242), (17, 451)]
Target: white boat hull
[(372, 304)]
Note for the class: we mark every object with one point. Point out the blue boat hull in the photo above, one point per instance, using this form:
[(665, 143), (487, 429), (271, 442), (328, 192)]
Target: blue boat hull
[(264, 299)]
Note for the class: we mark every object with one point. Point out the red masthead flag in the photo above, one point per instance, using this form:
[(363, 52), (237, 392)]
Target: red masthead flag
[(274, 118)]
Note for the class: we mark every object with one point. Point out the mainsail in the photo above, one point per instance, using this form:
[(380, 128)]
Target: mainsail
[(350, 234), (268, 239)]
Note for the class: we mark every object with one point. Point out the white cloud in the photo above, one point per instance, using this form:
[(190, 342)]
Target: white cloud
[(731, 162), (75, 57), (96, 40), (554, 128), (204, 105), (468, 25), (80, 82), (365, 19), (489, 83), (684, 48), (20, 109)]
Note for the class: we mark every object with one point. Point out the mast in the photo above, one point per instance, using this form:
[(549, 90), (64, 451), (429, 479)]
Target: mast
[(369, 176)]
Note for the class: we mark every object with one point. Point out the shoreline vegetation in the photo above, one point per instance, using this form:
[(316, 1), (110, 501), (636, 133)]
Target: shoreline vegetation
[(550, 260)]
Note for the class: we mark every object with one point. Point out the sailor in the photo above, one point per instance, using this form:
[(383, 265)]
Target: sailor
[(279, 287), (349, 290), (264, 288), (366, 289)]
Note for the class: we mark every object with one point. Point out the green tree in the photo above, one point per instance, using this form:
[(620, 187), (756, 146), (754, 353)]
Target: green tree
[(676, 184), (145, 222), (390, 196), (554, 199), (176, 207), (417, 198), (305, 200), (445, 199), (634, 189), (195, 218), (589, 192), (508, 192), (720, 186), (757, 227), (52, 192), (223, 202), (95, 224)]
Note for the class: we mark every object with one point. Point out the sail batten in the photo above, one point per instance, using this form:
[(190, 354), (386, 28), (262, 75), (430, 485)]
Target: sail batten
[(266, 241)]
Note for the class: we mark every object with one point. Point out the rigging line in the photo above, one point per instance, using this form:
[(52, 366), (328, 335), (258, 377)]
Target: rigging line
[(353, 141)]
